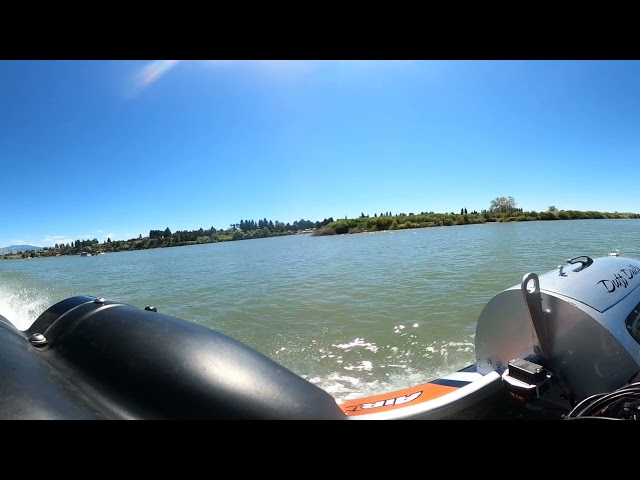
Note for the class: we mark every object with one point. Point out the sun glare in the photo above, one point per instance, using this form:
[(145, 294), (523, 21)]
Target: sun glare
[(154, 70)]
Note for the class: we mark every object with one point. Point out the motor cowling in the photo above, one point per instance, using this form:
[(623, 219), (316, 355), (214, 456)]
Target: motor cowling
[(577, 322)]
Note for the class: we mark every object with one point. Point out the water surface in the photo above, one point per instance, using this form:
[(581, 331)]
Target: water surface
[(355, 314)]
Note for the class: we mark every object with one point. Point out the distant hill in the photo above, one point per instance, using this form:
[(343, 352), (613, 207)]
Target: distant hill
[(18, 248)]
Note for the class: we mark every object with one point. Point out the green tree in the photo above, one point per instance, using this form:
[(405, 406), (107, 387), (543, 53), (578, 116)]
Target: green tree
[(503, 205), (553, 209)]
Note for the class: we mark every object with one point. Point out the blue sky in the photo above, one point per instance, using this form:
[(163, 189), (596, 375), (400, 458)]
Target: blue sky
[(113, 149)]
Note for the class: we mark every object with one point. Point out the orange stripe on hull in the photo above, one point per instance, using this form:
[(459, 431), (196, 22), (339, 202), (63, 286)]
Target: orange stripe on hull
[(393, 400)]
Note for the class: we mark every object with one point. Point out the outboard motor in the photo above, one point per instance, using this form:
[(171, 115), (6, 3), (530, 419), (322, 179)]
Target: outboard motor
[(566, 335)]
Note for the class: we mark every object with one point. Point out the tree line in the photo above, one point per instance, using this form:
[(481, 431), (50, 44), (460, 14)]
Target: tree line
[(501, 209), (243, 230)]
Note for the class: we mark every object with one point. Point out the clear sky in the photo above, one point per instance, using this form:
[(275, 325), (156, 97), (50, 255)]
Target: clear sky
[(113, 149)]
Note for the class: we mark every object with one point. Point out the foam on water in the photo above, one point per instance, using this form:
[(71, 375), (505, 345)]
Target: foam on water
[(359, 368), (21, 305)]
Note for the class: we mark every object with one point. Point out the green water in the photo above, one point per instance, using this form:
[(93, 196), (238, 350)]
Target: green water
[(355, 314)]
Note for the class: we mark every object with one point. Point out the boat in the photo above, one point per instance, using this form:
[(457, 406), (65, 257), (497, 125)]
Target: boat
[(562, 345), (614, 253)]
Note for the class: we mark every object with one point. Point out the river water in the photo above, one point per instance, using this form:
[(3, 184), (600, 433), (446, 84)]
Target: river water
[(355, 314)]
